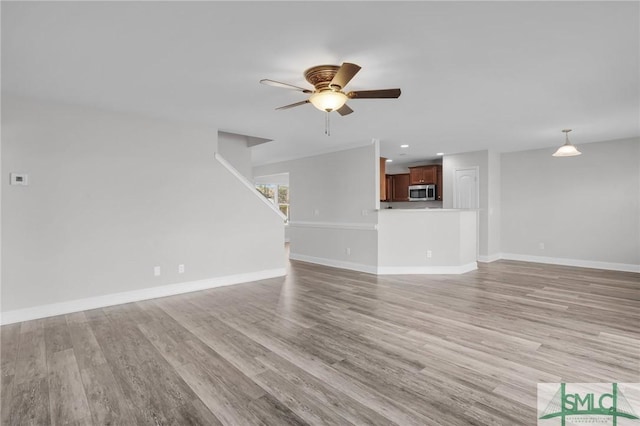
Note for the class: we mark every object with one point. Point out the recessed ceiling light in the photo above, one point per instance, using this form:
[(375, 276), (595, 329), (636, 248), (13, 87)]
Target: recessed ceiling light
[(404, 146), (440, 153), (389, 160)]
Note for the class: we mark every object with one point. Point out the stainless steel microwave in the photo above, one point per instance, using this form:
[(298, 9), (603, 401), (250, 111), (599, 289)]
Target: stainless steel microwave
[(422, 192)]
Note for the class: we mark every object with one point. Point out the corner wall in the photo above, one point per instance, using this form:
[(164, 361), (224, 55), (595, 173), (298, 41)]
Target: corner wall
[(581, 211), (333, 207), (489, 197), (113, 195), (235, 150)]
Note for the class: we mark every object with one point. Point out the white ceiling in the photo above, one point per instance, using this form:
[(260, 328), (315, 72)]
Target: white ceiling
[(506, 76)]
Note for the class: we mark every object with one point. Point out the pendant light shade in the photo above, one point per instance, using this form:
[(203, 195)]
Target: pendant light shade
[(566, 150)]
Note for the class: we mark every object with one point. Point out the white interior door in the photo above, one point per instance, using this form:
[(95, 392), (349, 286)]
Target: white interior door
[(466, 193)]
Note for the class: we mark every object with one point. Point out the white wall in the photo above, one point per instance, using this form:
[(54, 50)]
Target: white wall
[(328, 194), (494, 207), (395, 168), (111, 196), (277, 179), (489, 186), (584, 209), (405, 236), (234, 148)]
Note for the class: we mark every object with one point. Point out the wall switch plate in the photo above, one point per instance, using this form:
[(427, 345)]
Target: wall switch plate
[(365, 212), (541, 246), (19, 179), (156, 271), (181, 269), (316, 212), (429, 254), (347, 251)]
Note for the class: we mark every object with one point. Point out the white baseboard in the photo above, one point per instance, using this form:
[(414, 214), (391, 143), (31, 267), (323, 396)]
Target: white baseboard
[(625, 267), (78, 305), (385, 270), (427, 270), (490, 258), (334, 263)]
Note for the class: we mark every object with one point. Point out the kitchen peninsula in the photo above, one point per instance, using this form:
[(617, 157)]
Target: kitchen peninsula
[(426, 241)]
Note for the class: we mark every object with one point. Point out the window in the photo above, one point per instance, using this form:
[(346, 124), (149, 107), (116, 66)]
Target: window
[(267, 190), (277, 194)]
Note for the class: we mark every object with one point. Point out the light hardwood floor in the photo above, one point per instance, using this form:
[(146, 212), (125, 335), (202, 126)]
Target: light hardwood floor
[(328, 346)]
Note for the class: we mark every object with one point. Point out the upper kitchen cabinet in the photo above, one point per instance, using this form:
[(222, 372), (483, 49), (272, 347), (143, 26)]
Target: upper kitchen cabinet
[(424, 174), (416, 175)]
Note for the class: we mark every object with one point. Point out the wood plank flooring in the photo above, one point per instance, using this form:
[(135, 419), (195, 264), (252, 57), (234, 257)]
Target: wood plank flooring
[(329, 346)]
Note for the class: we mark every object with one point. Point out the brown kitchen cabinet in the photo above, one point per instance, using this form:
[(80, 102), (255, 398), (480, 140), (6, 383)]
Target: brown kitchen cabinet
[(439, 183), (401, 187), (422, 175), (415, 176), (389, 188), (397, 187)]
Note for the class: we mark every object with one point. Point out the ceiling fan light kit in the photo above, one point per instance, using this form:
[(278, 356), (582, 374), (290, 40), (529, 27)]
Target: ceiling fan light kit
[(328, 95), (328, 100), (568, 149)]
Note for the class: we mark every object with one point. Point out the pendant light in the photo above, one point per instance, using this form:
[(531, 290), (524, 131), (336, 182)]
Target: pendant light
[(566, 150)]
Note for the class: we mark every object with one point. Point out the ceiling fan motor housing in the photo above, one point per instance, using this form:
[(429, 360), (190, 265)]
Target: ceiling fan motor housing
[(321, 75)]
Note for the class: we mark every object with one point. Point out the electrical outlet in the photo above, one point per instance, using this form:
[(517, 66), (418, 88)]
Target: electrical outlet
[(347, 251), (429, 254), (181, 269), (541, 246), (365, 212), (316, 212), (156, 271)]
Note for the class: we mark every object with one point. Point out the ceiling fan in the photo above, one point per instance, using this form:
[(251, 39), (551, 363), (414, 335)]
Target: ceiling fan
[(329, 82)]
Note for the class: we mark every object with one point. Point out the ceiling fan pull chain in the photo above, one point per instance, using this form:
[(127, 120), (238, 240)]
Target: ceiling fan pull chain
[(327, 125)]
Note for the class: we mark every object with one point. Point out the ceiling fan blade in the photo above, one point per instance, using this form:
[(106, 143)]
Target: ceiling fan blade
[(294, 105), (344, 110), (284, 85), (374, 94), (344, 75)]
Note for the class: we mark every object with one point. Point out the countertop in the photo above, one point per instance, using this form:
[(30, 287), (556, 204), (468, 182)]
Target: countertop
[(428, 209)]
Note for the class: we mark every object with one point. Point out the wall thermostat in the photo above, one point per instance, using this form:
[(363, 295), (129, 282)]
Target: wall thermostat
[(19, 179)]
